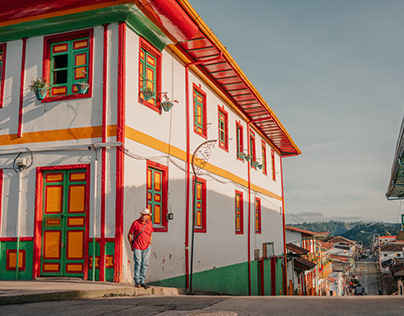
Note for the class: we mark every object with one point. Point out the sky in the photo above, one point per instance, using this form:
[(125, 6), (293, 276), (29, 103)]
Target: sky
[(333, 73)]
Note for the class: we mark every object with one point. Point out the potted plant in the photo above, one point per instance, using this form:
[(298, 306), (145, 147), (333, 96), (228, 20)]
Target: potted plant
[(166, 104), (40, 87), (148, 93), (82, 86)]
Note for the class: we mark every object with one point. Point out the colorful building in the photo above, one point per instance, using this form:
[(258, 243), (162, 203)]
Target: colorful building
[(135, 87), (309, 273)]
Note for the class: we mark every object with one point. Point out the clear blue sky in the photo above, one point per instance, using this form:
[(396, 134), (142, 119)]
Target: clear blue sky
[(333, 72)]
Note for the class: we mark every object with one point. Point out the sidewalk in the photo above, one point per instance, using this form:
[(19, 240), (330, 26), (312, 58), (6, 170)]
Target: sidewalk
[(19, 292)]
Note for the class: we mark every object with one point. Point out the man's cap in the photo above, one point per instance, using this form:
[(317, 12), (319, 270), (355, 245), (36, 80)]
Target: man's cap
[(146, 211)]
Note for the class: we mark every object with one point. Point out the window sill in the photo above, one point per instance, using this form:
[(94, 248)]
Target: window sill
[(67, 97)]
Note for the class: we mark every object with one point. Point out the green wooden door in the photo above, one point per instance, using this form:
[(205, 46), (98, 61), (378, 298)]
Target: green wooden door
[(64, 222)]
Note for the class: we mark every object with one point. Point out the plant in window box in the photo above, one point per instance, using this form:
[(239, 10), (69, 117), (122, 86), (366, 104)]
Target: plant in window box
[(40, 88), (82, 87)]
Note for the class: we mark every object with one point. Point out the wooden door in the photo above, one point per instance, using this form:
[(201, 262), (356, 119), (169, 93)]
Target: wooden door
[(64, 223)]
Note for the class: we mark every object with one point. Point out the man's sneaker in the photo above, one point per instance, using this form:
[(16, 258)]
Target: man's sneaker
[(137, 285), (145, 286)]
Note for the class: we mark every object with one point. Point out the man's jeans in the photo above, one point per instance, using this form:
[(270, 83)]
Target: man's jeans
[(141, 258)]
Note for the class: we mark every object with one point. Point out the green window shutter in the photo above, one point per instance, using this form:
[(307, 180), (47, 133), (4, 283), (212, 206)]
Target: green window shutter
[(257, 215), (155, 195), (199, 205), (238, 132), (264, 158), (199, 113), (148, 73), (68, 65), (80, 56), (222, 130), (238, 209)]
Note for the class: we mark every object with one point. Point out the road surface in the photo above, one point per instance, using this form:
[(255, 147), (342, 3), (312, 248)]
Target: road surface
[(367, 275), (216, 306)]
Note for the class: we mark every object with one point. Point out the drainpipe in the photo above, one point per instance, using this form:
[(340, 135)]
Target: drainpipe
[(17, 259), (249, 200), (284, 235), (187, 106), (96, 176)]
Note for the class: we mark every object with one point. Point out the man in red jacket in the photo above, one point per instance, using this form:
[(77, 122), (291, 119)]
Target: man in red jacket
[(140, 237)]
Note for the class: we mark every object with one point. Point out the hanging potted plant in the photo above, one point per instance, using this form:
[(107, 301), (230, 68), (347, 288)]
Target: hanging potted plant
[(166, 104), (148, 93), (40, 88), (82, 87), (255, 163)]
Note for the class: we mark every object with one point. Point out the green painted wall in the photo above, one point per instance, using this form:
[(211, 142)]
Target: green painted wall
[(109, 272), (231, 279), (27, 273), (12, 274), (267, 281), (279, 276)]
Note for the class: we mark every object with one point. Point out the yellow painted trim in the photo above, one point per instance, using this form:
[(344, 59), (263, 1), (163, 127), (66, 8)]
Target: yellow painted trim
[(211, 36), (154, 143), (56, 135), (150, 141), (132, 134)]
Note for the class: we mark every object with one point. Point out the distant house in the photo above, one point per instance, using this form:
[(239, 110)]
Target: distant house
[(340, 240), (298, 266), (312, 279), (391, 251), (397, 271), (387, 239)]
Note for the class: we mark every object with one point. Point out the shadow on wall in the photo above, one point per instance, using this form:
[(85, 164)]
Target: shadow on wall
[(220, 255)]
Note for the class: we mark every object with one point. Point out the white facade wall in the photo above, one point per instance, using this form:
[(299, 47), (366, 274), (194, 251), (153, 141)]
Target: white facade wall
[(168, 255), (385, 255), (49, 116), (294, 237), (219, 246)]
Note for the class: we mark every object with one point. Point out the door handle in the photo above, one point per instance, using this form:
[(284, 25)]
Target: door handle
[(62, 244)]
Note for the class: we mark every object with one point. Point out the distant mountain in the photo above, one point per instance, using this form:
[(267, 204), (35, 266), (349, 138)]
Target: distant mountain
[(336, 228), (360, 232)]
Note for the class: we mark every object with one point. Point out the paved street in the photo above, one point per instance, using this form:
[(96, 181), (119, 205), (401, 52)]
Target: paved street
[(212, 305), (367, 275)]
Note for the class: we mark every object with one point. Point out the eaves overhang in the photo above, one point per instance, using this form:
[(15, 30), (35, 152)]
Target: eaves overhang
[(232, 81), (395, 190)]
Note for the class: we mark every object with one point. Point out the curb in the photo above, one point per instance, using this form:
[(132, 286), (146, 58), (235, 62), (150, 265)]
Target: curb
[(88, 294)]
